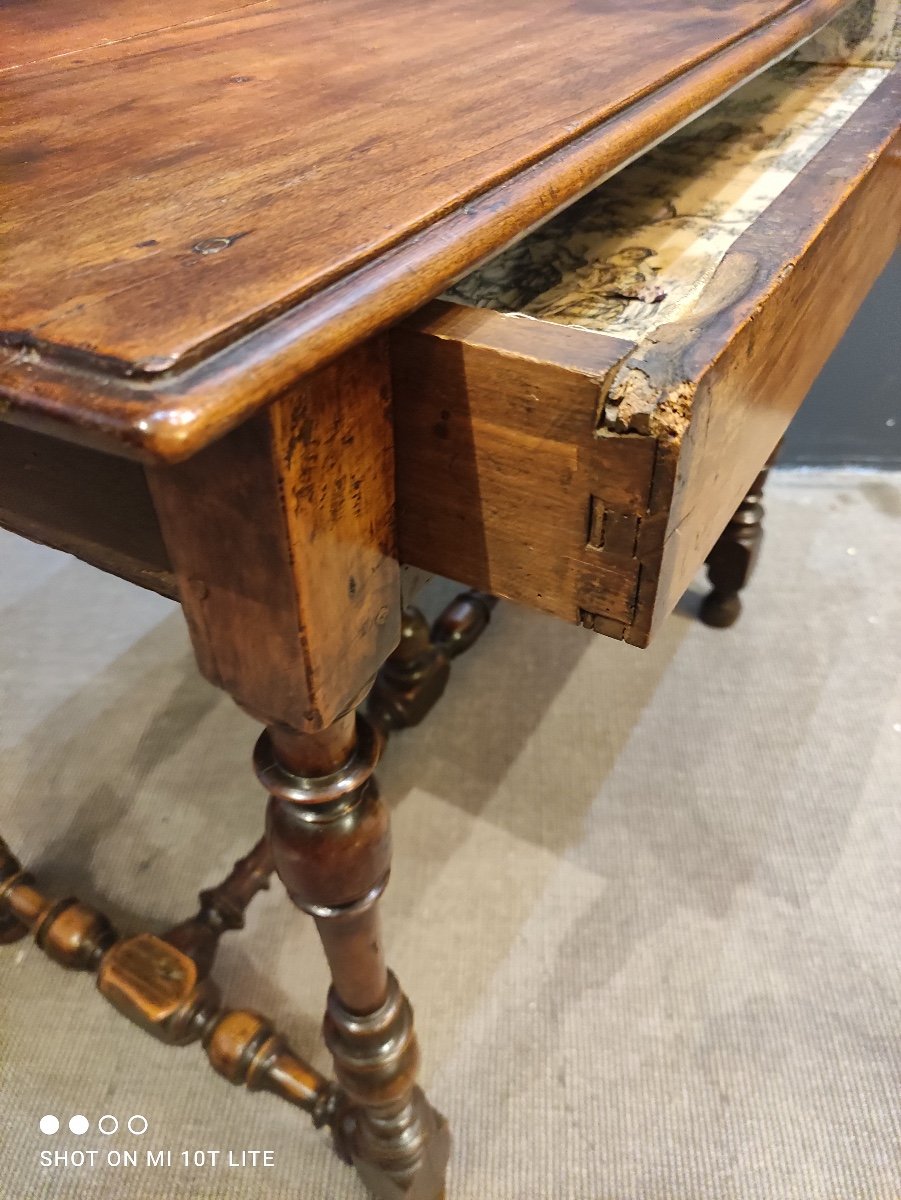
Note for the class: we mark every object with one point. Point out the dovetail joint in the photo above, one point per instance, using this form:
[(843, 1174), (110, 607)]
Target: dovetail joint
[(615, 533)]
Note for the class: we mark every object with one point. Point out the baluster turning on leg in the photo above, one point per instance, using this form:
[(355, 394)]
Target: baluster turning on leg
[(330, 841), (732, 560), (413, 679)]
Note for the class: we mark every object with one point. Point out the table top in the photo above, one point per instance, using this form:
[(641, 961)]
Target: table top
[(205, 197)]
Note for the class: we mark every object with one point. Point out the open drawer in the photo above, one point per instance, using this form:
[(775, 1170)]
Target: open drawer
[(578, 421)]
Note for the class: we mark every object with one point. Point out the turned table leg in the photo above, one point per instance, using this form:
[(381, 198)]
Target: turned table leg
[(330, 831), (281, 536), (414, 677), (732, 560), (330, 842)]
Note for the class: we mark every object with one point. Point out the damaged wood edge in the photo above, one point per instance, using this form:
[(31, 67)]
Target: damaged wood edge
[(636, 379), (173, 414), (620, 534), (652, 391), (659, 392), (661, 389)]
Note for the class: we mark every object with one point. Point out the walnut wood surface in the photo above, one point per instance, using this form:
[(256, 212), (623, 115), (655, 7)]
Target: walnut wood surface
[(281, 537), (305, 173), (789, 288), (38, 31), (93, 505), (162, 983), (330, 839), (584, 477), (497, 458)]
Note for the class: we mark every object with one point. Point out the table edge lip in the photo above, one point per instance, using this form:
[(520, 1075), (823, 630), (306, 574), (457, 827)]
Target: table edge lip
[(169, 415)]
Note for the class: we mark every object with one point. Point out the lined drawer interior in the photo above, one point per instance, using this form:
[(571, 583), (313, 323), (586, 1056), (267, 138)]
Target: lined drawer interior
[(637, 251), (576, 422)]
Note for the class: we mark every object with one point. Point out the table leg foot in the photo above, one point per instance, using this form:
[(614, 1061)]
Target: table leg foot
[(731, 562), (720, 609), (399, 1144)]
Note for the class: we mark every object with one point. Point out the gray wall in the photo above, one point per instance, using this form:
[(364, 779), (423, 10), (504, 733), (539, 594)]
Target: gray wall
[(853, 412)]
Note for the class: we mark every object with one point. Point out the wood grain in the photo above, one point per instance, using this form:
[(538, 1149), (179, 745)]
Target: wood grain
[(499, 466), (300, 175), (89, 504), (566, 470), (723, 387), (38, 31), (282, 540)]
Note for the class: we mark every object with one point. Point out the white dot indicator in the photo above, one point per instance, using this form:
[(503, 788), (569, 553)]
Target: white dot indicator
[(49, 1124), (132, 1122), (79, 1124), (111, 1124)]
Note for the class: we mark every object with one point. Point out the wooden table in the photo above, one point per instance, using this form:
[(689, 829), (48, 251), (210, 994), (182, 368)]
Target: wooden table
[(218, 380)]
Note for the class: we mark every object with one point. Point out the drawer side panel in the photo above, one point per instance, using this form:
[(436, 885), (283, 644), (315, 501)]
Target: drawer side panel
[(505, 481)]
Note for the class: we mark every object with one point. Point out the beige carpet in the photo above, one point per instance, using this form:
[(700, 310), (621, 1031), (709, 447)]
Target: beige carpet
[(646, 904)]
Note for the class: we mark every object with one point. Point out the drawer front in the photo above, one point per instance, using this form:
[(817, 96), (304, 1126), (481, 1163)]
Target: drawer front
[(499, 472), (587, 475)]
